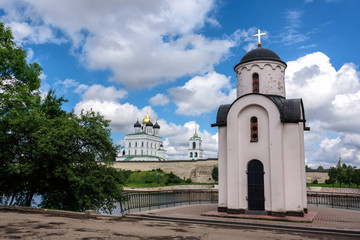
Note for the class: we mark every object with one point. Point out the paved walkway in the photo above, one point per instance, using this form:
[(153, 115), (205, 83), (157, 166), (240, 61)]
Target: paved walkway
[(329, 218)]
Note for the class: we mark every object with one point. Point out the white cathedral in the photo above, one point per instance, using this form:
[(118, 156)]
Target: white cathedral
[(145, 144), (261, 141)]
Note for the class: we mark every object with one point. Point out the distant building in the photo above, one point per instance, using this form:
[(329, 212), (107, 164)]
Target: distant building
[(145, 144), (339, 164), (195, 151)]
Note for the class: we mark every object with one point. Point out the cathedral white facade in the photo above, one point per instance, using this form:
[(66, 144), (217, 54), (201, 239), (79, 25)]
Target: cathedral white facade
[(261, 142), (145, 144)]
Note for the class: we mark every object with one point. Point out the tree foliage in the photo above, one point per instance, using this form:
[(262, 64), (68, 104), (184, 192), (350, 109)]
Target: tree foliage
[(47, 151), (344, 175), (215, 173)]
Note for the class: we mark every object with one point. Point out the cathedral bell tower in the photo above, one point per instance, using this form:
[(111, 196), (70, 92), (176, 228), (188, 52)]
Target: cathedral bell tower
[(195, 151)]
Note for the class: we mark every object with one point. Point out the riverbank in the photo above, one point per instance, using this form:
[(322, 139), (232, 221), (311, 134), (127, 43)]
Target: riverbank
[(177, 187), (183, 223)]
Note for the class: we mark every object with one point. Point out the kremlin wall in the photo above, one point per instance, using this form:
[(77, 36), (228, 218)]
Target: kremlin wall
[(198, 170)]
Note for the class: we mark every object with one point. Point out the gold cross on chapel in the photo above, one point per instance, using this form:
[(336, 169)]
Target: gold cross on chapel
[(259, 34)]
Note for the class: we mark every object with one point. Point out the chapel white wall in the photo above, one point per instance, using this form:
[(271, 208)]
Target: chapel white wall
[(271, 77)]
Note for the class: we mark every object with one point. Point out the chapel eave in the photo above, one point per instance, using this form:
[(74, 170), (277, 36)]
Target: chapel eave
[(291, 110)]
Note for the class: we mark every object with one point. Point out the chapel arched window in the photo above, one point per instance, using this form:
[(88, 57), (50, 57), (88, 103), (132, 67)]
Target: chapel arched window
[(254, 129), (194, 145), (255, 81), (191, 154), (195, 154)]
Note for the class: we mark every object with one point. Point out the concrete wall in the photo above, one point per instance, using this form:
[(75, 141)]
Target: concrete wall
[(197, 170)]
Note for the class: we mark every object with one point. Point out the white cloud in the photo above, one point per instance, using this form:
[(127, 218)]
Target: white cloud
[(159, 99), (203, 94), (101, 93), (332, 99), (29, 55), (67, 83), (176, 140), (144, 43), (124, 115), (290, 34)]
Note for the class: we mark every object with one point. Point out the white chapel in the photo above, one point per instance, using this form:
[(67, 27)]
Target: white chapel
[(261, 141), (145, 144)]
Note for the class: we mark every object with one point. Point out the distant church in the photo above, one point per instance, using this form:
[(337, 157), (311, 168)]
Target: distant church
[(261, 141), (195, 150), (145, 144)]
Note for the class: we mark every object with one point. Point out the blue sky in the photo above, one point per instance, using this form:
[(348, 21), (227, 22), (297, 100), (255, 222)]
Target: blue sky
[(175, 59)]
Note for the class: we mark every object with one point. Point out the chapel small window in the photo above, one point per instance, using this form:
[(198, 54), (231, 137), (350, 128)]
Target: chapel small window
[(254, 129), (135, 144), (129, 144), (191, 154), (194, 145), (255, 79), (195, 154)]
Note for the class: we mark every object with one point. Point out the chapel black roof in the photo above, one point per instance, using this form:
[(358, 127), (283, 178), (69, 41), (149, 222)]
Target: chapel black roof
[(260, 54), (290, 110)]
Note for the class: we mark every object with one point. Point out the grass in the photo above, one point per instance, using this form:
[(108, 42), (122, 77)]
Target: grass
[(155, 178), (336, 185)]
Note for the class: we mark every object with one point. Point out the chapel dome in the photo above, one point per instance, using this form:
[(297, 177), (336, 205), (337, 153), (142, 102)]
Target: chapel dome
[(137, 124), (156, 125), (149, 124), (260, 54)]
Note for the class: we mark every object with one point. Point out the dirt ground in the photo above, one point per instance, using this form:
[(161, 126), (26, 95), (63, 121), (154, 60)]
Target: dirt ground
[(15, 225)]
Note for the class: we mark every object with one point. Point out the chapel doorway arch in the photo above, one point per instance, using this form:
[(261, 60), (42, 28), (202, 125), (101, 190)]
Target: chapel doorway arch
[(255, 172)]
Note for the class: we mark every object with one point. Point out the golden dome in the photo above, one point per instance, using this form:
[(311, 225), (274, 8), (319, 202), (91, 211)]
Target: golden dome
[(147, 119)]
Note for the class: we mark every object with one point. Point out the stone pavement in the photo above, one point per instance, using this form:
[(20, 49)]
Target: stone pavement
[(326, 218)]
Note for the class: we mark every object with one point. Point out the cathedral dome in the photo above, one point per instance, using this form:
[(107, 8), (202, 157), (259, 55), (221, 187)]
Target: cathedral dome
[(260, 54), (137, 124), (147, 119), (156, 125)]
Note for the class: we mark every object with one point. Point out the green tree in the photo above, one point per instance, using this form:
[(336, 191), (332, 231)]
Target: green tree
[(332, 175), (320, 168), (357, 177), (349, 175), (215, 173), (45, 150), (341, 175), (19, 96)]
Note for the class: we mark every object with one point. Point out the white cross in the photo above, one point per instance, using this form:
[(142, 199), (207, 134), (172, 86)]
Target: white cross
[(259, 35)]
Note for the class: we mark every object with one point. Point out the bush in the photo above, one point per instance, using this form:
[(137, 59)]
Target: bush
[(188, 180), (315, 181)]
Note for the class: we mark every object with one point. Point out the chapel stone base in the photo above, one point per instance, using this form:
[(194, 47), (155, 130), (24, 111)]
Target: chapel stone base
[(269, 213)]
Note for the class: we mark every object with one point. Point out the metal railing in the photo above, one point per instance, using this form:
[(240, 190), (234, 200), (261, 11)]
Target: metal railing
[(335, 200), (159, 199), (142, 201)]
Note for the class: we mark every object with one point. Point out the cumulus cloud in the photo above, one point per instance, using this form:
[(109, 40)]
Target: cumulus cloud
[(143, 43), (176, 140), (203, 94), (124, 115), (332, 99), (159, 99), (101, 93)]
